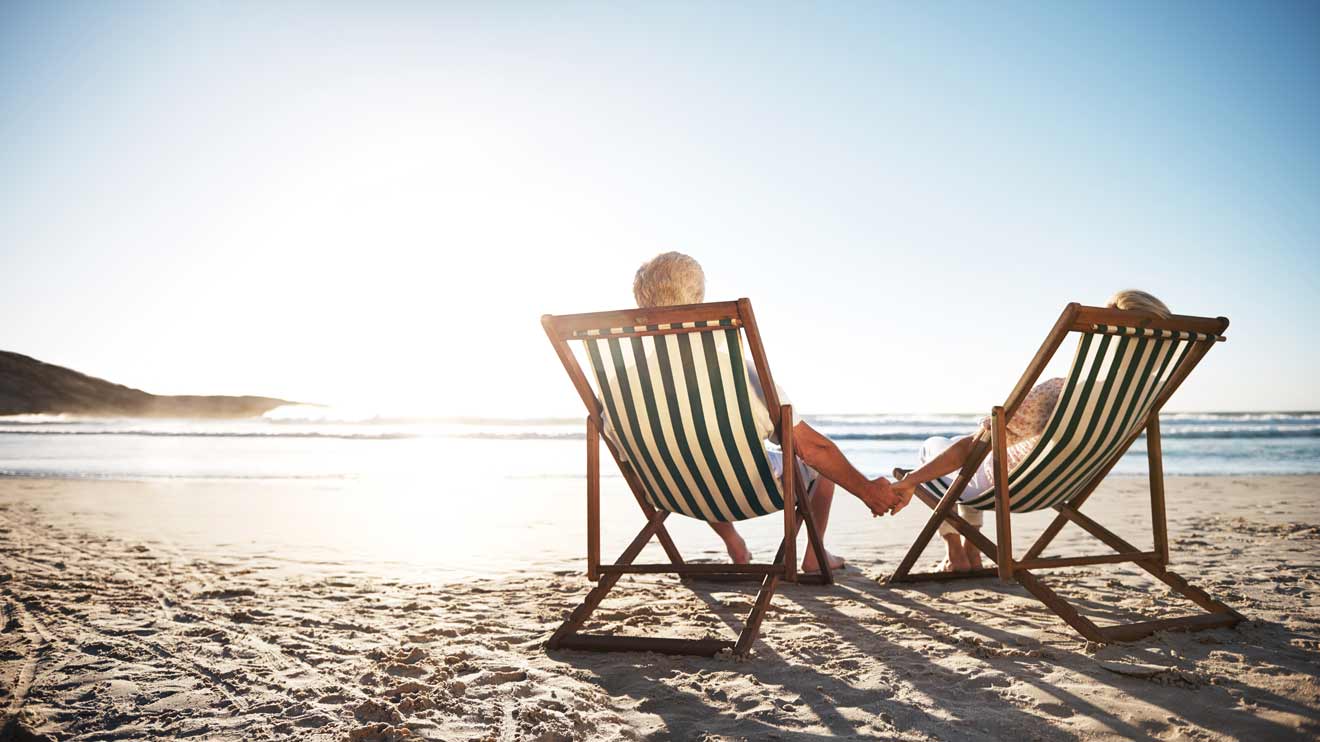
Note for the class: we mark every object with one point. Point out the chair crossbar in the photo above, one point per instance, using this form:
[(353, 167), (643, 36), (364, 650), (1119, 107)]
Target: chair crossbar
[(689, 568), (665, 329), (660, 645), (1141, 629), (1081, 561)]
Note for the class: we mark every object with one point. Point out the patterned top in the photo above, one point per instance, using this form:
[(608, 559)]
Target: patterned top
[(1027, 424)]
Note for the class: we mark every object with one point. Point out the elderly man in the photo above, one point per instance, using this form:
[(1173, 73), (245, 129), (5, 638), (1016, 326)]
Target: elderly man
[(675, 278)]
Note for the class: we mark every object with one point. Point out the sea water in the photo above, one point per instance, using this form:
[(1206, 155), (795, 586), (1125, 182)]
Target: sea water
[(307, 443), (436, 499)]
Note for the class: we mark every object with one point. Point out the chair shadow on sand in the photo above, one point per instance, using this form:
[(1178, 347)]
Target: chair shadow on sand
[(987, 702), (826, 695)]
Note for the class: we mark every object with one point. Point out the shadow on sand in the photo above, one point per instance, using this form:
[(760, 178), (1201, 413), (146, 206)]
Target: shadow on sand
[(976, 659)]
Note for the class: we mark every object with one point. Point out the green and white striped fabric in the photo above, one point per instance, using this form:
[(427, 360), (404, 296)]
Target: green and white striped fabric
[(1147, 332), (1115, 379), (598, 332), (681, 410)]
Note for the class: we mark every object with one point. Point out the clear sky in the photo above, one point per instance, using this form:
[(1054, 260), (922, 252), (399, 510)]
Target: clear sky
[(372, 203)]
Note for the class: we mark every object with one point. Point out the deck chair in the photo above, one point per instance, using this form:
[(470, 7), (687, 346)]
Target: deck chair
[(673, 405), (1126, 366)]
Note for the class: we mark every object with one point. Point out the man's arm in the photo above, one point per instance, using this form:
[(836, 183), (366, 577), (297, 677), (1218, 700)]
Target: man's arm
[(821, 454)]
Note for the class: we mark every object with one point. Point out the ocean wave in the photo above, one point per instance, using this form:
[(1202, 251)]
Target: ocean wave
[(1222, 417), (214, 434), (149, 476), (910, 420), (1224, 433)]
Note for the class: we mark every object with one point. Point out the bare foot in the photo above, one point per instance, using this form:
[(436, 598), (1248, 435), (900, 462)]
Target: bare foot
[(957, 559), (809, 563), (973, 555), (738, 551)]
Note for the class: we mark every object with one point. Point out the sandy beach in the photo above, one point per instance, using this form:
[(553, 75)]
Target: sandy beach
[(110, 636)]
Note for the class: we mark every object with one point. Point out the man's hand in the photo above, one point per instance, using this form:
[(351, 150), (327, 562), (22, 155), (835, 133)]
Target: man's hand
[(822, 455), (879, 497)]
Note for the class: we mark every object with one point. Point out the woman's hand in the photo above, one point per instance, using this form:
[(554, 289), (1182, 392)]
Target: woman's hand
[(879, 497), (903, 489)]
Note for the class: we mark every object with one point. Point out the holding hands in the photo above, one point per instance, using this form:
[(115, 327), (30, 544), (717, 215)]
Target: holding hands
[(883, 498)]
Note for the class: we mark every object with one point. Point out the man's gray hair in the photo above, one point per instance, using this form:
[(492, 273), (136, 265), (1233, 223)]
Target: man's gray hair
[(669, 278)]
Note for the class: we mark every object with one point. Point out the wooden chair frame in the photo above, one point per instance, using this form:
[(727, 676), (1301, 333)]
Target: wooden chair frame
[(560, 329), (1077, 318)]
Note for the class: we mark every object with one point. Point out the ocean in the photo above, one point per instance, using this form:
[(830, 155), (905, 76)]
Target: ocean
[(314, 444), (438, 499)]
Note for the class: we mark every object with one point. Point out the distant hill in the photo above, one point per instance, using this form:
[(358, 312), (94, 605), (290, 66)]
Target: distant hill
[(28, 386)]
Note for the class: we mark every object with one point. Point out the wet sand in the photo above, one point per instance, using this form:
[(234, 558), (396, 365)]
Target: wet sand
[(110, 635)]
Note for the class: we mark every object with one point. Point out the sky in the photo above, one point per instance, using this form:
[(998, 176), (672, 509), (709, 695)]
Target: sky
[(371, 204)]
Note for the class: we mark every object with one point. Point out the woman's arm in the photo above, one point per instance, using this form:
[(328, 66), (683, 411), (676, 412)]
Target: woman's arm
[(949, 461), (821, 454)]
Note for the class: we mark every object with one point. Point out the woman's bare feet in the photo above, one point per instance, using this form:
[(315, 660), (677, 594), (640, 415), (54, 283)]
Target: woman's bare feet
[(810, 564), (973, 555), (957, 559)]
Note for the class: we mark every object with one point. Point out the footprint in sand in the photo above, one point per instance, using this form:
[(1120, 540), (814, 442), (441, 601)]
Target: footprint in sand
[(499, 677), (412, 686), (375, 711), (379, 732), (406, 671)]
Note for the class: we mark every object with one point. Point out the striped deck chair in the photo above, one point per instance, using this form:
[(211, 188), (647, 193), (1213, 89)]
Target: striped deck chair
[(1126, 366), (673, 404)]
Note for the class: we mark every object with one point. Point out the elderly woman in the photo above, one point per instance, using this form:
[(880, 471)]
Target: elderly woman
[(940, 456), (675, 278)]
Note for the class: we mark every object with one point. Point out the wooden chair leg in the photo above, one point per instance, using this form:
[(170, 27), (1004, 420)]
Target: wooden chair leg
[(1044, 594), (593, 499), (580, 614), (1062, 608), (1003, 503), (1052, 530), (1158, 519), (1218, 614), (817, 544), (973, 534), (1159, 572), (943, 509), (752, 627), (568, 636), (789, 480)]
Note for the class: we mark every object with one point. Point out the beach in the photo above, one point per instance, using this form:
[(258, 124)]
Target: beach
[(125, 620), (351, 351)]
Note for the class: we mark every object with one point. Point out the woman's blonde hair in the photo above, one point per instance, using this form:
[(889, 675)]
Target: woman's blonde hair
[(669, 278), (1140, 301)]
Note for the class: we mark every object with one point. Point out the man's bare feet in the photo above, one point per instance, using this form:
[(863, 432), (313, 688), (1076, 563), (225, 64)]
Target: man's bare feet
[(733, 542), (738, 551), (973, 555), (957, 559), (810, 564)]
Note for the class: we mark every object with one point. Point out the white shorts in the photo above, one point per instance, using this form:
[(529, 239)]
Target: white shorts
[(980, 482), (806, 473)]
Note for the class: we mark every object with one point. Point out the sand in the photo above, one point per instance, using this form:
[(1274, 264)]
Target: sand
[(109, 636)]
